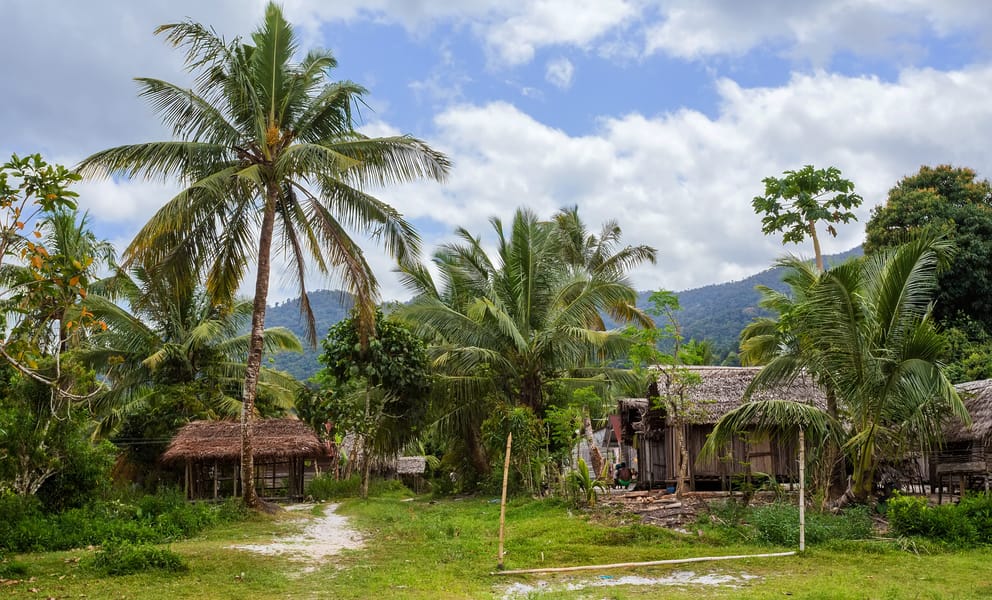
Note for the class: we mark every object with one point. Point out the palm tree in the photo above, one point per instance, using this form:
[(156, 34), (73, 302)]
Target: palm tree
[(602, 255), (863, 329), (503, 326), (175, 341), (267, 151), (174, 336)]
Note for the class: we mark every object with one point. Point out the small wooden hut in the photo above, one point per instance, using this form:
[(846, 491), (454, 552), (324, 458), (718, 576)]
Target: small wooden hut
[(210, 453), (965, 458), (649, 432)]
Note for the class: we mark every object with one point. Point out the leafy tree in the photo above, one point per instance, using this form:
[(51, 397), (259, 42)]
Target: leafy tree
[(43, 274), (41, 437), (268, 154), (864, 328), (379, 389), (501, 328), (951, 202), (794, 204), (652, 364)]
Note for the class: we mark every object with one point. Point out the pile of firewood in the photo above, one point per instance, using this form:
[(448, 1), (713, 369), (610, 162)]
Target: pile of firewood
[(659, 508)]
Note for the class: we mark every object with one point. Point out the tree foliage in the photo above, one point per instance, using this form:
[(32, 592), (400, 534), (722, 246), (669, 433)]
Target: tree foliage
[(865, 331), (269, 158), (502, 325), (795, 203), (392, 369), (954, 203)]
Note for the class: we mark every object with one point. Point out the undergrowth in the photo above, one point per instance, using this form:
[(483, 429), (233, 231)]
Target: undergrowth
[(125, 558), (778, 524), (162, 517), (326, 487)]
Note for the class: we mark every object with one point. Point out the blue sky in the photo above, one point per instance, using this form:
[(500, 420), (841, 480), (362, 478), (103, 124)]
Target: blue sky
[(662, 114)]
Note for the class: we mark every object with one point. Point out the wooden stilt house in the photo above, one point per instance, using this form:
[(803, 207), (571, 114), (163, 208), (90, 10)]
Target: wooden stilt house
[(209, 454), (648, 431), (965, 459)]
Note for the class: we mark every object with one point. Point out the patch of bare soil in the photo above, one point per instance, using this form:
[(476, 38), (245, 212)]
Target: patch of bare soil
[(323, 537)]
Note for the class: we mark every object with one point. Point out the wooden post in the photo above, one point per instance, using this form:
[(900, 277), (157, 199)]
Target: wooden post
[(802, 490), (216, 483), (502, 504), (186, 481), (237, 477)]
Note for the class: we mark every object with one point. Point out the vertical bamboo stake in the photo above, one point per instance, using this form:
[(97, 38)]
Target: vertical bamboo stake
[(802, 490), (502, 504)]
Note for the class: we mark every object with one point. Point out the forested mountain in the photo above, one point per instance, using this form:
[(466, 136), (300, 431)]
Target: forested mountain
[(329, 307), (719, 312), (714, 312)]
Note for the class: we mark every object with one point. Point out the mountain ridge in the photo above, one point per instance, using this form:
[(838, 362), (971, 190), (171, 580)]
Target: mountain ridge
[(716, 312)]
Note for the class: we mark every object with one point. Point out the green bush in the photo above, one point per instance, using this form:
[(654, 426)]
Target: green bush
[(124, 558), (779, 524), (325, 487), (150, 519), (964, 524)]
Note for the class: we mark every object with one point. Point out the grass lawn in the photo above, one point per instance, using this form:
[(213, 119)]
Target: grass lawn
[(422, 549)]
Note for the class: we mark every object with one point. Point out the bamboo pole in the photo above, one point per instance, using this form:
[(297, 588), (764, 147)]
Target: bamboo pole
[(502, 504), (802, 490), (673, 561)]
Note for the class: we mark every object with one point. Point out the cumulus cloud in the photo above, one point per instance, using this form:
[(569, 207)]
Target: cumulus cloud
[(683, 181), (559, 72)]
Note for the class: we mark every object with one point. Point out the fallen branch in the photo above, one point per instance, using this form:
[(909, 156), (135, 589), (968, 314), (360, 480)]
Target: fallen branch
[(651, 563)]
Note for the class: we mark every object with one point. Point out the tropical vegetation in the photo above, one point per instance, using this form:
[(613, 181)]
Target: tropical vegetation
[(268, 153)]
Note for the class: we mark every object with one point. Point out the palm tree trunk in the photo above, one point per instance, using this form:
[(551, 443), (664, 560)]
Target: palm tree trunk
[(254, 363), (816, 246), (595, 456)]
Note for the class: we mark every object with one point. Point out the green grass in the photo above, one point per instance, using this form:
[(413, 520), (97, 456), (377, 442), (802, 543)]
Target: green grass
[(447, 549)]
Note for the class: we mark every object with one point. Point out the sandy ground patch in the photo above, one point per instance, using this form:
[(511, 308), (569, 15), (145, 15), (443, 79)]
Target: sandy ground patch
[(324, 536), (678, 578)]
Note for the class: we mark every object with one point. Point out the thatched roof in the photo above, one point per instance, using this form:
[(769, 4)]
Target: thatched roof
[(274, 439), (411, 465), (977, 398), (721, 389)]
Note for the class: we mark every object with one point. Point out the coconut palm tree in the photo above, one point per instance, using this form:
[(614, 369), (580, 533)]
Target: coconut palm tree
[(864, 329), (164, 339), (505, 325), (268, 154)]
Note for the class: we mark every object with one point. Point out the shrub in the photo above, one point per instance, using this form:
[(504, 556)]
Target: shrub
[(964, 524), (325, 487), (779, 524), (150, 519), (124, 558)]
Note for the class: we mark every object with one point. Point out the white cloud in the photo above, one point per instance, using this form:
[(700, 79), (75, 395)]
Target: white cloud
[(813, 30), (683, 181), (559, 72)]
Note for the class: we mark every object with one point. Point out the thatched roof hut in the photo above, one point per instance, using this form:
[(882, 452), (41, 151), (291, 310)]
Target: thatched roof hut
[(650, 431), (966, 456), (977, 398), (721, 389), (220, 441), (211, 454)]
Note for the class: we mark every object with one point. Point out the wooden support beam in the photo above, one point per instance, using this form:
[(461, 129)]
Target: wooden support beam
[(652, 563)]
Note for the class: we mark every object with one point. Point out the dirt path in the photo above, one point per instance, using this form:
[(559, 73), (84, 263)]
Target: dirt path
[(324, 536)]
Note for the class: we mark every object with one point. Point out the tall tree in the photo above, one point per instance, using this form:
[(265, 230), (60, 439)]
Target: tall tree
[(865, 328), (502, 326), (794, 204), (268, 153), (952, 202), (380, 391)]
